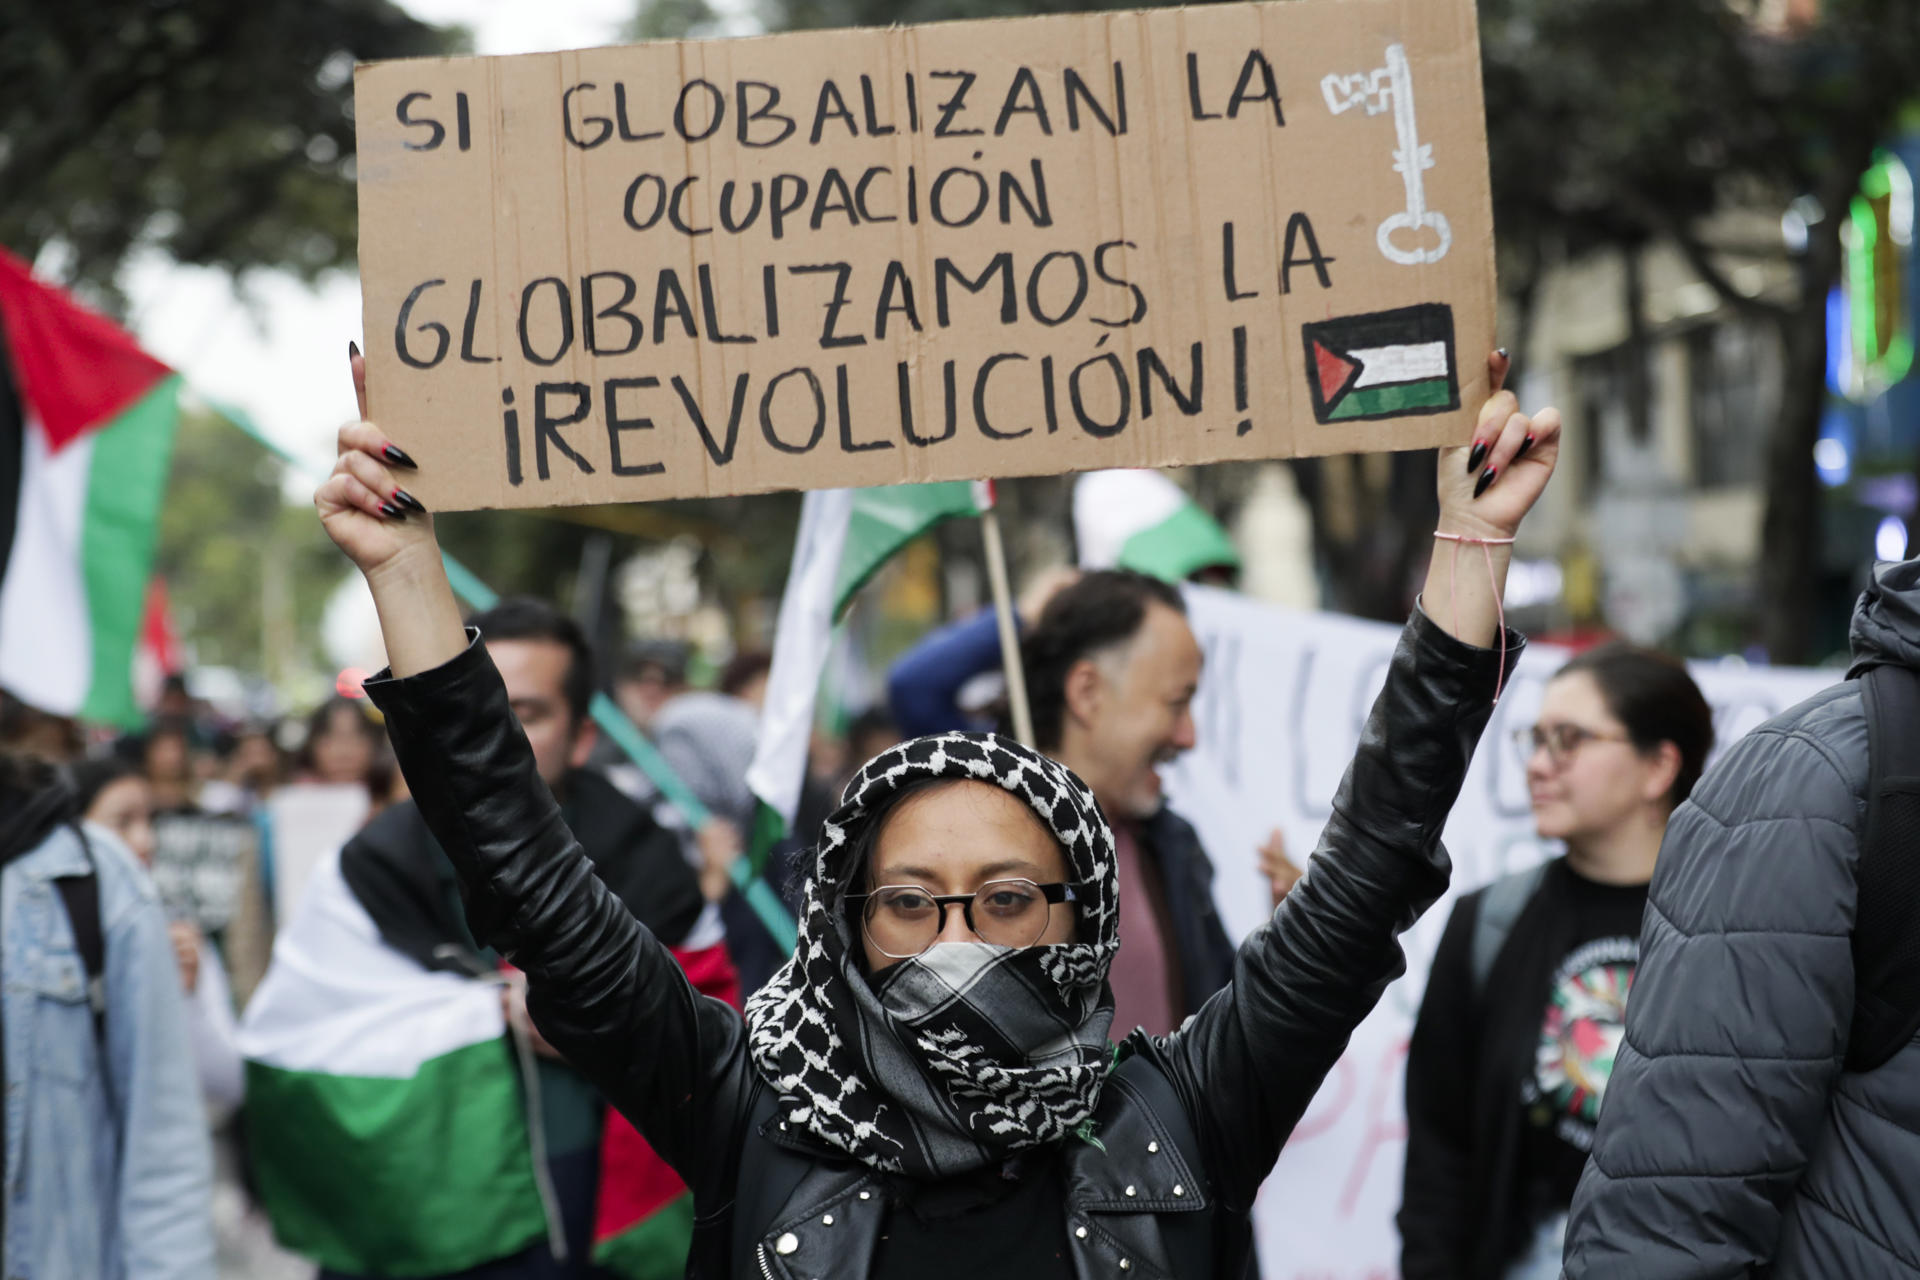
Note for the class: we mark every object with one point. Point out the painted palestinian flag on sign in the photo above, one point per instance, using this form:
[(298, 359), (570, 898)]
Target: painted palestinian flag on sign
[(1390, 364), (86, 435)]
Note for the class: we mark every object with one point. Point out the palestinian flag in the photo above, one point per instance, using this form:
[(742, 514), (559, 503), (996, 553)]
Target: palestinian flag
[(385, 1113), (1391, 364), (845, 536), (1141, 520), (643, 1224), (157, 654), (883, 520), (86, 434)]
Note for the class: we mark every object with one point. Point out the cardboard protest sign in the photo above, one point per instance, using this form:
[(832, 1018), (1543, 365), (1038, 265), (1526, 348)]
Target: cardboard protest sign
[(985, 248)]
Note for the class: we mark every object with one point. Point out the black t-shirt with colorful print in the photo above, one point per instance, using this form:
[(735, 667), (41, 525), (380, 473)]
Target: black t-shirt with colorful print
[(1598, 928)]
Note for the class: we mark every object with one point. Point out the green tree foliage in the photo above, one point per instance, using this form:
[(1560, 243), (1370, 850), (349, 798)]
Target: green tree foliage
[(798, 14), (219, 132), (672, 20), (248, 573)]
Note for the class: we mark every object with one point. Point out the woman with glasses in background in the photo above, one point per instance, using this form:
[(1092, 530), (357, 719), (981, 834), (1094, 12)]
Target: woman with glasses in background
[(1526, 1000)]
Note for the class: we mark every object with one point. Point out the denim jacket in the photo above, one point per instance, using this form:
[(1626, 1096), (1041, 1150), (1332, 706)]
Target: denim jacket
[(108, 1164)]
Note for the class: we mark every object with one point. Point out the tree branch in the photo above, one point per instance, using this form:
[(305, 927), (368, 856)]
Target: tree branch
[(1703, 265), (1662, 222)]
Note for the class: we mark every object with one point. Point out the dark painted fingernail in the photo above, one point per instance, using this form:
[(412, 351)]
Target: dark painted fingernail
[(408, 501), (1478, 456), (392, 512), (1486, 478), (398, 457), (1502, 353), (1524, 446), (353, 348)]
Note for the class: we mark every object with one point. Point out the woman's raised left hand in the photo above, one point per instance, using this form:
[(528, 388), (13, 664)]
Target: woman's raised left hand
[(1488, 485)]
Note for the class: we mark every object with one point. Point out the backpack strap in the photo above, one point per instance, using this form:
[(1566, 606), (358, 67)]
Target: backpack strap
[(1500, 905), (81, 897), (1886, 943)]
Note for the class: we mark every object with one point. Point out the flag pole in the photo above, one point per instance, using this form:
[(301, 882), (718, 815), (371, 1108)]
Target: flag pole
[(1009, 634)]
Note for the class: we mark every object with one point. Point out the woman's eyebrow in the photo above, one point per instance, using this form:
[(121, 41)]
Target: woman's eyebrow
[(990, 871), (890, 874), (1000, 868)]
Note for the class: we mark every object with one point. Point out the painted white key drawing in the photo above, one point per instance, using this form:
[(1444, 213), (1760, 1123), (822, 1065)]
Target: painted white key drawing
[(1392, 86)]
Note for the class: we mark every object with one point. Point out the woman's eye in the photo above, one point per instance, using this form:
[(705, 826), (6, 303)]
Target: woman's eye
[(1009, 900), (908, 903)]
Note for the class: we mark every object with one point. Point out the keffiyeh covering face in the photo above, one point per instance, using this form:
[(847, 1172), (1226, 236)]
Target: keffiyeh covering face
[(969, 1052)]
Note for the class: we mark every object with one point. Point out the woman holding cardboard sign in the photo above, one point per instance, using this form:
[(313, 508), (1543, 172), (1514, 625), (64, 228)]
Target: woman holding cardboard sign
[(927, 1088)]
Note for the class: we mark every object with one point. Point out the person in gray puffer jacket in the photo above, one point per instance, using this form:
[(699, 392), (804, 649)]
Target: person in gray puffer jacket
[(1733, 1141)]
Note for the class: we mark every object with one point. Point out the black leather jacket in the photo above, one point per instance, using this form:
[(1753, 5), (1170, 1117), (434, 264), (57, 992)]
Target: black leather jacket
[(611, 998)]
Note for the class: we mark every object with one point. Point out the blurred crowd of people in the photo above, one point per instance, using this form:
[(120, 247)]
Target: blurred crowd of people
[(204, 803), (227, 819)]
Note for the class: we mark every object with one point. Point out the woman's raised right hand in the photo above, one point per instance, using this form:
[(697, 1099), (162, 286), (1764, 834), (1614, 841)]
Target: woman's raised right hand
[(364, 504), (388, 535)]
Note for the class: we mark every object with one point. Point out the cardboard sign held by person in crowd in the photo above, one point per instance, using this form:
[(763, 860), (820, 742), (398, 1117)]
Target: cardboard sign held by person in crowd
[(865, 257)]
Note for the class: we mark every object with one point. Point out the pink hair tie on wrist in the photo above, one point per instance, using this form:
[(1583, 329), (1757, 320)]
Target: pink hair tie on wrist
[(1499, 605)]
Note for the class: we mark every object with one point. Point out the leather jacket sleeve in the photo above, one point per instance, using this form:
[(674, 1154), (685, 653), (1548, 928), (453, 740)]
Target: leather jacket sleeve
[(1439, 1226), (1251, 1060), (601, 988)]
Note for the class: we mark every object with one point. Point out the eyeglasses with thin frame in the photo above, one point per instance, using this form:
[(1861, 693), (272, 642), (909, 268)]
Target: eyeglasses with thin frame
[(903, 920), (1561, 741)]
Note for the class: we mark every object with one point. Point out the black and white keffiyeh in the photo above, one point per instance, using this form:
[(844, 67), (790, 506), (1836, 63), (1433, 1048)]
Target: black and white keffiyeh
[(956, 1059)]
